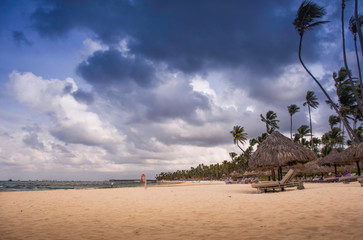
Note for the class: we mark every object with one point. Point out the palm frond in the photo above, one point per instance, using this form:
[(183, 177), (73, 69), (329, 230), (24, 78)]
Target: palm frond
[(352, 25), (307, 12)]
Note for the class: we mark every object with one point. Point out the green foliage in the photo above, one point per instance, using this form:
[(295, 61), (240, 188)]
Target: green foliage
[(211, 172), (306, 15), (239, 136), (271, 121)]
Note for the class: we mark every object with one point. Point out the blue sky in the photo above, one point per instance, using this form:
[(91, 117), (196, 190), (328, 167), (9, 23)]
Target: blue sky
[(94, 90)]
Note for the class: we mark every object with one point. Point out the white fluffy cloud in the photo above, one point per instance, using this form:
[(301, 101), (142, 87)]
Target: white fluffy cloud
[(71, 121)]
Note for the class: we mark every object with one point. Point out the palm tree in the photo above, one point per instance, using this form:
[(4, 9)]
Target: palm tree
[(239, 136), (292, 110), (359, 102), (333, 120), (305, 20), (333, 138), (347, 103), (316, 142), (311, 102), (302, 131), (270, 121), (354, 30), (232, 155)]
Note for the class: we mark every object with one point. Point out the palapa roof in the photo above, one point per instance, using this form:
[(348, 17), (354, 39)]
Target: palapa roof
[(352, 154), (311, 168), (256, 173), (278, 150), (355, 152), (235, 174), (334, 157)]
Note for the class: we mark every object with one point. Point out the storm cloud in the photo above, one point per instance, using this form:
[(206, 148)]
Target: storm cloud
[(111, 67), (186, 37)]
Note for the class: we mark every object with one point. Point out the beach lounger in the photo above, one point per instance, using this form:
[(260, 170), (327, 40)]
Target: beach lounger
[(348, 179), (331, 179), (284, 183), (361, 181)]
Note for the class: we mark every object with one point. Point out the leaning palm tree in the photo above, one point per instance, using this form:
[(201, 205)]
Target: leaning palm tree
[(292, 110), (356, 96), (304, 21), (311, 102), (270, 121), (239, 136), (354, 30)]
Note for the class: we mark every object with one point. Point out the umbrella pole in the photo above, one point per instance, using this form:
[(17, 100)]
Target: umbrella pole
[(279, 173), (273, 175), (358, 168), (335, 168)]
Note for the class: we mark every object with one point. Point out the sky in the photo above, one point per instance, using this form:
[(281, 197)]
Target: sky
[(94, 90)]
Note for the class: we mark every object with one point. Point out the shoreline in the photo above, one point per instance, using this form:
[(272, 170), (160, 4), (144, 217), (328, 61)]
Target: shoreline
[(200, 210)]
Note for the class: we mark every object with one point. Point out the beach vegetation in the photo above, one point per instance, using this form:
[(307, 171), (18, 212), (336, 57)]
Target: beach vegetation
[(311, 102), (239, 136), (270, 120)]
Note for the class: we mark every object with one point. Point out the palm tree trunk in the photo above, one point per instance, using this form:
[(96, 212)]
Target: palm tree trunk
[(343, 133), (291, 127), (357, 57), (352, 135), (311, 129), (240, 148), (359, 102), (357, 23)]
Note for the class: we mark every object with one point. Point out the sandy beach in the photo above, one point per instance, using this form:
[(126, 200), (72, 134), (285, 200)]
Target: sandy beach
[(193, 211)]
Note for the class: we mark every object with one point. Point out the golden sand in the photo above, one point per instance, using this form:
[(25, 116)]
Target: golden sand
[(194, 211)]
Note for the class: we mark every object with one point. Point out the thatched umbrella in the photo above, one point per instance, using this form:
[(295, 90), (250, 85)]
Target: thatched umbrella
[(251, 174), (235, 175), (311, 168), (334, 158), (353, 154), (277, 151), (256, 173)]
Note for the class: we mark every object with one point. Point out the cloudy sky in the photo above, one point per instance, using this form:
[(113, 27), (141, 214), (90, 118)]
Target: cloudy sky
[(93, 90)]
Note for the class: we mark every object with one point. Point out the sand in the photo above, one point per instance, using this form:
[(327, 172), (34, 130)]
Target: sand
[(194, 211)]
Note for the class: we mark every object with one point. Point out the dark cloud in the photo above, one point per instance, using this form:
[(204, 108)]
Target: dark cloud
[(186, 35), (111, 67), (32, 140), (76, 134), (20, 38), (83, 97)]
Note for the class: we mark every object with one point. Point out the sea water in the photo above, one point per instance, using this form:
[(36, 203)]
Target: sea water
[(9, 186)]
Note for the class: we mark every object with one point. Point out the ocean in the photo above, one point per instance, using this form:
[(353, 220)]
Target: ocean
[(11, 186)]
